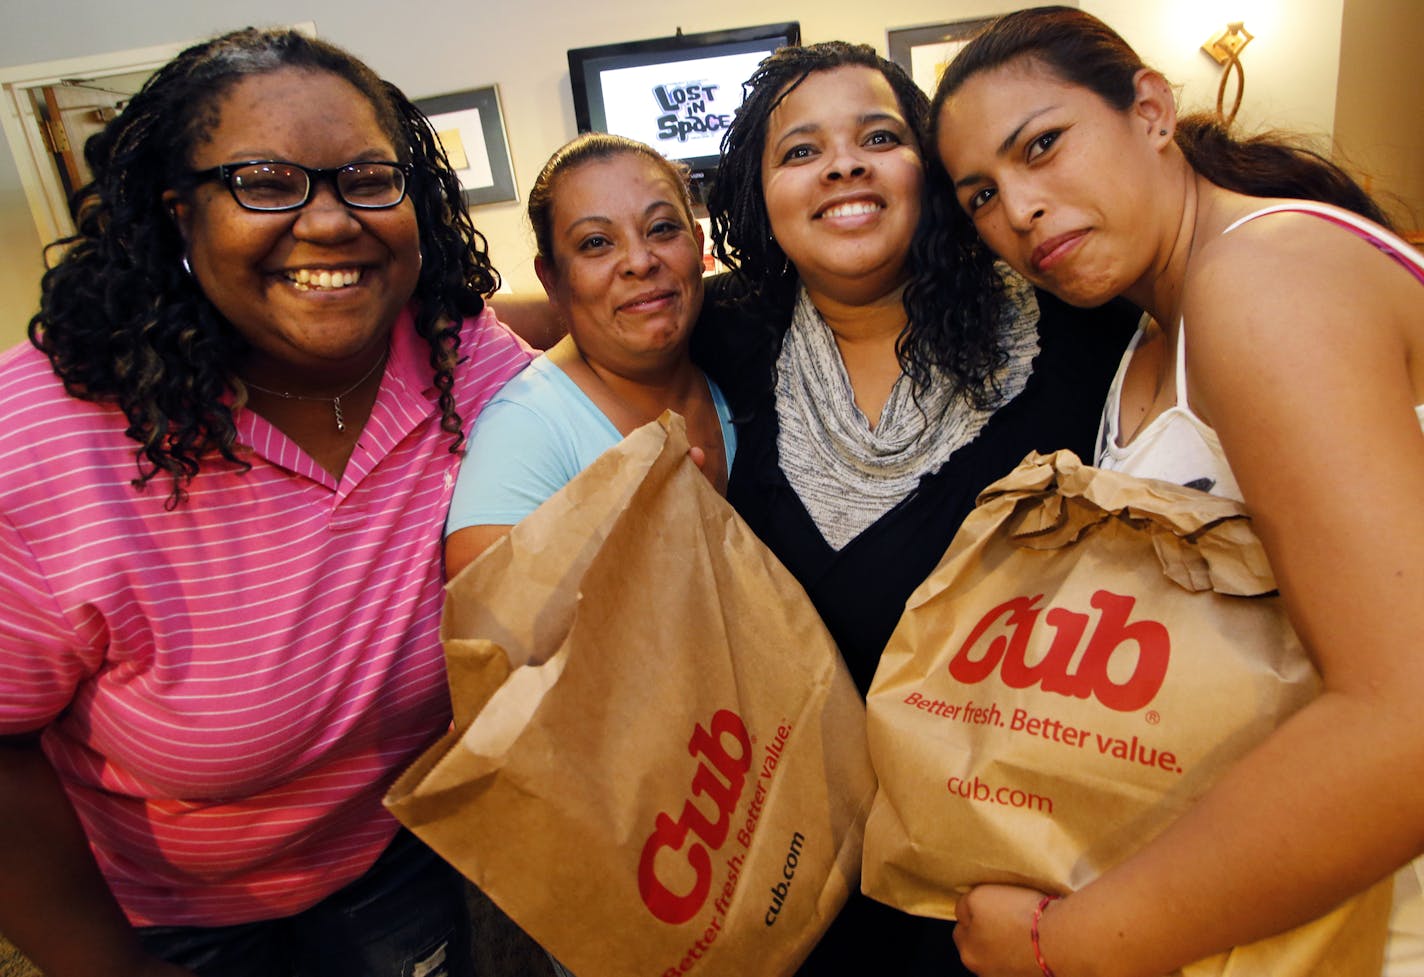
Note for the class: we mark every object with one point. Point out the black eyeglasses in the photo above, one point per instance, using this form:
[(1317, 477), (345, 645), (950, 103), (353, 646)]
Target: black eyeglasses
[(270, 184)]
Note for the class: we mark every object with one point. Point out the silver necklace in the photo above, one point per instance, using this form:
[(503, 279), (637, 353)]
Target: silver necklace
[(335, 401)]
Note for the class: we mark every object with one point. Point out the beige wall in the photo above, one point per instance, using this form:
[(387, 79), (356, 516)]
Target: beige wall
[(438, 46), (1377, 112), (20, 263)]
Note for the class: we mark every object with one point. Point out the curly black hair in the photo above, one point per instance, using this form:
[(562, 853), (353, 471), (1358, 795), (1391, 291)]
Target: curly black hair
[(122, 322), (955, 301)]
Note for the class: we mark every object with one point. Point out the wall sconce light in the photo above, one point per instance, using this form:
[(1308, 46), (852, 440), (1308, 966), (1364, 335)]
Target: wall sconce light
[(1225, 49)]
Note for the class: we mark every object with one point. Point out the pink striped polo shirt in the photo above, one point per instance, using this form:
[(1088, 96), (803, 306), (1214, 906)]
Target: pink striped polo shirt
[(228, 688)]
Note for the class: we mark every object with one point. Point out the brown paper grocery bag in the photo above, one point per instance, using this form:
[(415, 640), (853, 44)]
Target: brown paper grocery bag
[(659, 761), (1093, 651)]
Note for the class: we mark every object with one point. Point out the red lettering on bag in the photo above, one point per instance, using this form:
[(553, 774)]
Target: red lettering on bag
[(1007, 651), (723, 792)]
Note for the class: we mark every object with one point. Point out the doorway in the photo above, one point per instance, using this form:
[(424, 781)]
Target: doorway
[(52, 108)]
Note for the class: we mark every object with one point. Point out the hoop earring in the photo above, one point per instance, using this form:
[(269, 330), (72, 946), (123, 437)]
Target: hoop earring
[(1161, 132), (187, 267)]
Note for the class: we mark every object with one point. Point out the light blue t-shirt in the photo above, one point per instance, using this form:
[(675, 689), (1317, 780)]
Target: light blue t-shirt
[(532, 438)]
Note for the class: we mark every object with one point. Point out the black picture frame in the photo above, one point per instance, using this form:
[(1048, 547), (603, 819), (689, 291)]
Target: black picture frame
[(470, 125), (923, 51)]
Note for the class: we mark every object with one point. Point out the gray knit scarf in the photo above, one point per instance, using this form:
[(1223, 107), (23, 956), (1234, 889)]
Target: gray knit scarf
[(847, 474)]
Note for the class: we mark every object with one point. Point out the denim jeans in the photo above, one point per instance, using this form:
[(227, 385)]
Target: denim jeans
[(406, 917)]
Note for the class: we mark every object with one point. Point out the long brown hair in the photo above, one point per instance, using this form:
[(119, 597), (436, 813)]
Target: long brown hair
[(1081, 50)]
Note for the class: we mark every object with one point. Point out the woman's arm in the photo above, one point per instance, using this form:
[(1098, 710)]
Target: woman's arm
[(464, 545), (54, 904), (1299, 351), (530, 316), (521, 450)]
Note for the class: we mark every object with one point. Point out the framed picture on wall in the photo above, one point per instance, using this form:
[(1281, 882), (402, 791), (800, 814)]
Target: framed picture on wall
[(924, 51), (470, 126)]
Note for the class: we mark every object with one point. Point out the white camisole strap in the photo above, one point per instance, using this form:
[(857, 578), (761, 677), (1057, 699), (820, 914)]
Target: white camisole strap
[(1387, 242)]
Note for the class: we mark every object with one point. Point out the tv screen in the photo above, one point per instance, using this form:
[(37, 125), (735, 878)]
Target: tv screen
[(677, 94)]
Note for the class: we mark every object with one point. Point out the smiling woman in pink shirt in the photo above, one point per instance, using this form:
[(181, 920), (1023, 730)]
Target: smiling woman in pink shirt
[(225, 460)]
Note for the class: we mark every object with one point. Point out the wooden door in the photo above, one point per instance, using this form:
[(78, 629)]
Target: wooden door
[(74, 109)]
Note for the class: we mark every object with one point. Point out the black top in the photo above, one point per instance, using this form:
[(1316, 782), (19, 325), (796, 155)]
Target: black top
[(860, 590)]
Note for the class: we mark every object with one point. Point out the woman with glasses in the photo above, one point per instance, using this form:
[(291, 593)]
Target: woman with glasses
[(225, 459)]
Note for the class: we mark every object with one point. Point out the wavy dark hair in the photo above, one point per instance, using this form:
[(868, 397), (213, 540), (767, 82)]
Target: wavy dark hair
[(122, 322), (586, 148), (954, 302), (1081, 50)]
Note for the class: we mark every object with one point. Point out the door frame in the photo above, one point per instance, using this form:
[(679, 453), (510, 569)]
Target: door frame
[(39, 176)]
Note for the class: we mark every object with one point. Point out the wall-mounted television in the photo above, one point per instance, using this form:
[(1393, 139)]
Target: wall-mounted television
[(677, 93)]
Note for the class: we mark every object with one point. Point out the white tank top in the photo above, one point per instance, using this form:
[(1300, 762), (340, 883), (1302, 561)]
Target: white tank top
[(1180, 447), (1177, 445)]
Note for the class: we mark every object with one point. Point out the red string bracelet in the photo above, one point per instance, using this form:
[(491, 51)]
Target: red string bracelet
[(1033, 935)]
